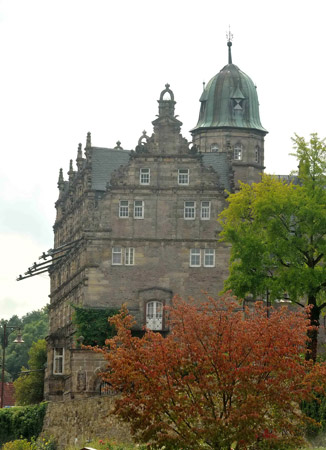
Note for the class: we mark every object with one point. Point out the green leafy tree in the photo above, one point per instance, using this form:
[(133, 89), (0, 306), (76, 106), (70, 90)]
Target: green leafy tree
[(29, 386), (278, 235)]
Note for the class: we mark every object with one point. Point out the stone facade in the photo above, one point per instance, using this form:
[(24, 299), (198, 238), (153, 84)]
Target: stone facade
[(139, 227)]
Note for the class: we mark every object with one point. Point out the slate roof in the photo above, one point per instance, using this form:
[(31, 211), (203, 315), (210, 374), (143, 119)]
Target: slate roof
[(219, 162), (106, 160)]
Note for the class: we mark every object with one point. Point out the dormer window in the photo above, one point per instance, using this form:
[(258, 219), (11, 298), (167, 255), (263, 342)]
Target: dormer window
[(237, 154), (237, 104)]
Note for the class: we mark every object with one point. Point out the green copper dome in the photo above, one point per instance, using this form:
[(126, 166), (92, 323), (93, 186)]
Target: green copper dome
[(230, 100)]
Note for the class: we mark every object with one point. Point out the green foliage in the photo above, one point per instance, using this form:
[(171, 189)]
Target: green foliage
[(19, 444), (24, 444), (34, 326), (277, 232), (316, 410), (93, 324), (21, 422), (29, 386)]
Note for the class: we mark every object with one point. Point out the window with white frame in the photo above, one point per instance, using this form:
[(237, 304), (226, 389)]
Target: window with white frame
[(144, 176), (209, 257), (237, 152), (129, 256), (183, 176), (138, 209), (154, 315), (195, 257), (205, 257), (205, 210), (58, 360), (123, 256), (214, 148), (124, 208), (117, 256), (189, 210)]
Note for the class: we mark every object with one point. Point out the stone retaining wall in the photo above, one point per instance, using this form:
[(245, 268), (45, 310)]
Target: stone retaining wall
[(72, 422)]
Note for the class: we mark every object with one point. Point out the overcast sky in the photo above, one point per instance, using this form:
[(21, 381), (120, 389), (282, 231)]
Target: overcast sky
[(73, 66)]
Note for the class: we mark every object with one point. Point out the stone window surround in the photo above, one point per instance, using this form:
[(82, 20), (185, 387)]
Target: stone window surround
[(238, 152), (205, 210), (144, 176), (123, 256), (58, 360), (196, 259), (138, 209), (183, 176), (123, 209), (189, 210)]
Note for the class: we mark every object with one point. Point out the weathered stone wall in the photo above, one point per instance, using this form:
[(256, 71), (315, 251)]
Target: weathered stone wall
[(76, 421)]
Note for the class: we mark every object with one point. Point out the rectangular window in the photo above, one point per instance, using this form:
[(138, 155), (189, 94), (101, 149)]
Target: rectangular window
[(116, 255), (58, 354), (144, 176), (238, 152), (209, 257), (190, 210), (205, 210), (183, 176), (129, 256), (194, 257), (138, 209), (124, 208)]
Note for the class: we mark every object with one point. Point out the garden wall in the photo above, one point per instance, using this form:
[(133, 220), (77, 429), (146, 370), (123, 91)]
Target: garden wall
[(74, 421)]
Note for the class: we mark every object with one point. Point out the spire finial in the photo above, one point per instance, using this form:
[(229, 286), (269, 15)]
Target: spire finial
[(79, 159), (61, 182), (229, 37), (88, 140)]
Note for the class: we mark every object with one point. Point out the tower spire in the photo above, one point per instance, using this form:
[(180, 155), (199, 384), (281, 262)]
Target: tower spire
[(229, 37)]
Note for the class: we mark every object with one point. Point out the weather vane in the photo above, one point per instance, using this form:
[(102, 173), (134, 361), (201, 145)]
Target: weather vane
[(229, 35)]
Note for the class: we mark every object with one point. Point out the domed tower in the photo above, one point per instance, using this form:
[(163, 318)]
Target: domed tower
[(229, 122)]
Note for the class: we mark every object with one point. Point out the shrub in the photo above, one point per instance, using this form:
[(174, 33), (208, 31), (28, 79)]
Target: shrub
[(21, 422), (19, 444)]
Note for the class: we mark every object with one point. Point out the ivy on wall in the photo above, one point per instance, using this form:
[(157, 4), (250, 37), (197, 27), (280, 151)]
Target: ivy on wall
[(93, 324)]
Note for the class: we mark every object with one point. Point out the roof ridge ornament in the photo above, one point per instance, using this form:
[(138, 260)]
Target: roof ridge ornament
[(229, 37), (166, 107)]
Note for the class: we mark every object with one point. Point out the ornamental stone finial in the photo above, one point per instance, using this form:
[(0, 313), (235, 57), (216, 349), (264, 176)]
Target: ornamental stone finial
[(88, 140), (61, 180)]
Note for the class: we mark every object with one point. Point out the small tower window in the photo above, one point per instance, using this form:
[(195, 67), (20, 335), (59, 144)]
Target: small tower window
[(154, 315), (214, 148), (238, 152), (257, 154)]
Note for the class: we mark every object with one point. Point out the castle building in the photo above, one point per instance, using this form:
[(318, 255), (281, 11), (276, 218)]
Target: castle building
[(139, 226)]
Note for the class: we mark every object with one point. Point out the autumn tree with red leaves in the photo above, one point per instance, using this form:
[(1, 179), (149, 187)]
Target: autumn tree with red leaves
[(222, 377)]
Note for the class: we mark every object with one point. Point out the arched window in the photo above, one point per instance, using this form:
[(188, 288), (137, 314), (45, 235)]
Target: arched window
[(154, 315), (237, 152)]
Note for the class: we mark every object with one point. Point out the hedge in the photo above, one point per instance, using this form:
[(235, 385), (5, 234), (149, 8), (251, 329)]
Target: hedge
[(21, 422)]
